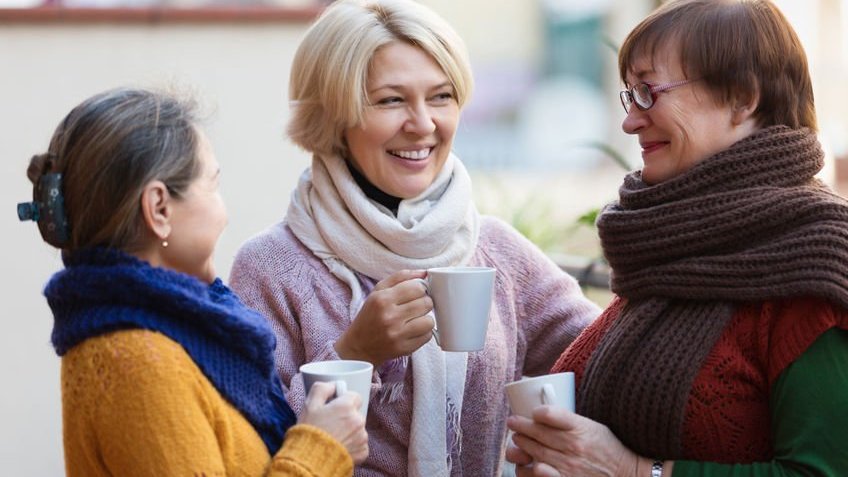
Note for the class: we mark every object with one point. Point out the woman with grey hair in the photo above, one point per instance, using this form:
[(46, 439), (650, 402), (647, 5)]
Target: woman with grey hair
[(376, 91), (164, 370)]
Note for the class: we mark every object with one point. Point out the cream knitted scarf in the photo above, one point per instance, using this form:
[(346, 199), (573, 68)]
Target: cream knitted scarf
[(748, 224), (332, 216)]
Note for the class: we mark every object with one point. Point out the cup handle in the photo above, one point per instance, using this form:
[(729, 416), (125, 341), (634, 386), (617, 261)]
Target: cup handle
[(435, 331), (425, 283), (341, 387), (548, 394)]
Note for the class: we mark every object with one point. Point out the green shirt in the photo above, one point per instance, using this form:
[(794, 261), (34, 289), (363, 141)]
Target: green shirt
[(809, 418)]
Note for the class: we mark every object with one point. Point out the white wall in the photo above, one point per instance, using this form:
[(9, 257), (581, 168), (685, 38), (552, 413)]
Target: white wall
[(240, 70)]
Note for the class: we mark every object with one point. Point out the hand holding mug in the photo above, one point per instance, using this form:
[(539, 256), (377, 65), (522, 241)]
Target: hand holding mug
[(343, 375), (340, 417), (560, 442), (393, 321), (525, 395)]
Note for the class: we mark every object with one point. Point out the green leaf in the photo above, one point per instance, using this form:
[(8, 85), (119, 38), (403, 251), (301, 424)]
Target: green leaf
[(611, 152), (589, 217)]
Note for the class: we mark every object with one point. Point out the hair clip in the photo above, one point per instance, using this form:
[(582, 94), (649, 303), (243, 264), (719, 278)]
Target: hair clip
[(28, 211), (48, 210)]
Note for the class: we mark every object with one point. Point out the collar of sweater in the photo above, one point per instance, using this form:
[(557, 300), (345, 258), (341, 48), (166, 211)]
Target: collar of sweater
[(373, 192), (104, 290)]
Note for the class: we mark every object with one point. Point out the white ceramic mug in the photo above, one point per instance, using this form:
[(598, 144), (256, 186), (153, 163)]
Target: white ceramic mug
[(346, 374), (527, 394), (462, 300)]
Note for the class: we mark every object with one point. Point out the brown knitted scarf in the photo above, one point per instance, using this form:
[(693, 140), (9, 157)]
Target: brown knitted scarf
[(748, 224)]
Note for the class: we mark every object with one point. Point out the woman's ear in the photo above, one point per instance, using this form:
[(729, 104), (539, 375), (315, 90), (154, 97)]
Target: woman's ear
[(744, 107), (156, 209)]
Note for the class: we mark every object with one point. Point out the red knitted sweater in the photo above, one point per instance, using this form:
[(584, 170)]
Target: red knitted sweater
[(727, 416)]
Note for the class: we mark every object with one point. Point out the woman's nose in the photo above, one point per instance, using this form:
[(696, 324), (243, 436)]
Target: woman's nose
[(420, 121), (635, 120)]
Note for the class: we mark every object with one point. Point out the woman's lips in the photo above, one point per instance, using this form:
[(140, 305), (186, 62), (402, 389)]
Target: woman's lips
[(649, 147)]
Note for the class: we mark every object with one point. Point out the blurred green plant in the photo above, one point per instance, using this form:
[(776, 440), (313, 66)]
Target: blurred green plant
[(610, 152), (531, 216), (535, 215), (588, 219), (533, 219)]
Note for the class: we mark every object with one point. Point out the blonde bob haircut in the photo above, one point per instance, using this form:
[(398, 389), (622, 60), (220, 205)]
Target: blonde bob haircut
[(327, 89), (740, 49)]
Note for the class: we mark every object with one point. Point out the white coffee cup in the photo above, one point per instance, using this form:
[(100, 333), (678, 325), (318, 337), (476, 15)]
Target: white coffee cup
[(346, 374), (462, 300), (527, 394)]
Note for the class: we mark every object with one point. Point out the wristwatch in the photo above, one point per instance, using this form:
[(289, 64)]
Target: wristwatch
[(656, 468)]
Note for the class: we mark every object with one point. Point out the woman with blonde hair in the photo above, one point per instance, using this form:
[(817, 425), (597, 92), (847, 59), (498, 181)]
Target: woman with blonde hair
[(164, 371), (376, 91)]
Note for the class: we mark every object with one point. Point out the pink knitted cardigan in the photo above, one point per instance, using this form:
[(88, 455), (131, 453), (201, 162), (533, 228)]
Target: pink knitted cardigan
[(537, 311)]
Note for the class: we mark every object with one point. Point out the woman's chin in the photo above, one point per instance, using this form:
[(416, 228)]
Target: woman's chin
[(414, 188), (205, 274), (209, 275), (654, 176)]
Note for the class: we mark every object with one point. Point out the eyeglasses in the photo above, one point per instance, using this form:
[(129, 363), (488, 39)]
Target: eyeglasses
[(643, 95)]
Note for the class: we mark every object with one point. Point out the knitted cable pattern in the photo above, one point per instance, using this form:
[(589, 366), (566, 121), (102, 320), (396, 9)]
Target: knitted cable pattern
[(750, 223)]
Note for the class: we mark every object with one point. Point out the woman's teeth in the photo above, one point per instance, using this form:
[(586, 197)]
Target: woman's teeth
[(415, 155)]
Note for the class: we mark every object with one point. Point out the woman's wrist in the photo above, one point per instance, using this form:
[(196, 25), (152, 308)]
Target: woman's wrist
[(346, 351), (643, 467), (343, 350)]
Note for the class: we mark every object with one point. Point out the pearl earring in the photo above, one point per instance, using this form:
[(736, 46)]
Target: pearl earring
[(165, 243)]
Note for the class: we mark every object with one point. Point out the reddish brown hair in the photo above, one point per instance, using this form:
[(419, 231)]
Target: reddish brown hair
[(738, 48)]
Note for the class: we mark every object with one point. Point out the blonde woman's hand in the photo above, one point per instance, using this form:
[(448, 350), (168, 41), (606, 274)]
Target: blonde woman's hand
[(559, 442), (340, 418), (393, 321)]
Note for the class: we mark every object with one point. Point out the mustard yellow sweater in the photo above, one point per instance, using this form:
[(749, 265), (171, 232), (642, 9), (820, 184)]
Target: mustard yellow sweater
[(134, 403)]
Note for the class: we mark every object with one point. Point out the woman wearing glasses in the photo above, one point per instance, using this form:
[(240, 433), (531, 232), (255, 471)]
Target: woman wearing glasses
[(726, 349)]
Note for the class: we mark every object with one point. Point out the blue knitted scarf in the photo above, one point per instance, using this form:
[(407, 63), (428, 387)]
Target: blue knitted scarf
[(104, 290)]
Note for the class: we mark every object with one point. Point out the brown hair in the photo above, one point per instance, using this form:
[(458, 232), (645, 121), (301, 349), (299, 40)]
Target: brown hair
[(738, 48), (107, 149)]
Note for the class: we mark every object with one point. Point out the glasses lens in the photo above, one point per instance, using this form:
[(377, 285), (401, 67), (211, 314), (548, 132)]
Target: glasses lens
[(642, 96), (625, 100)]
